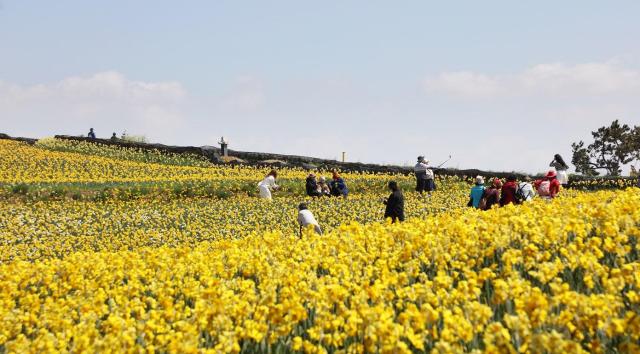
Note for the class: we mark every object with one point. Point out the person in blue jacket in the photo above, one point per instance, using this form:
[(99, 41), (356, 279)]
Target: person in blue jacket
[(477, 193), (338, 186)]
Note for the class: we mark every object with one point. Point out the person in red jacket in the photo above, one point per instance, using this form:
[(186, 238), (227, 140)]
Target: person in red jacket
[(548, 187), (508, 194)]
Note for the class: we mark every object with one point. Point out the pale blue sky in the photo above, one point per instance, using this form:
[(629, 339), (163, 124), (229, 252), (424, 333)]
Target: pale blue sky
[(498, 84)]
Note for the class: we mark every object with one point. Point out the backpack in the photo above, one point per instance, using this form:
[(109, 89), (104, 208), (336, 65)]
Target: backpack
[(544, 189), (521, 196)]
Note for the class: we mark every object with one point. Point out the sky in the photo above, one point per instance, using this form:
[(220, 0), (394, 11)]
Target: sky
[(498, 85)]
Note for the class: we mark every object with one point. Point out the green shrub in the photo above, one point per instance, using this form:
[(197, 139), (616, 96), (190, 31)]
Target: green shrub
[(21, 188)]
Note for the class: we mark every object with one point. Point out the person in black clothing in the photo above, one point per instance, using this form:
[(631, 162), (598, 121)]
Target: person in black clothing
[(395, 203), (91, 134), (312, 186)]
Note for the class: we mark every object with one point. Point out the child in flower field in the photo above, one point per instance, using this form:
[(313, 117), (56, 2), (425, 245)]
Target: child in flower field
[(395, 203), (323, 187), (477, 192), (267, 184), (549, 186), (305, 218)]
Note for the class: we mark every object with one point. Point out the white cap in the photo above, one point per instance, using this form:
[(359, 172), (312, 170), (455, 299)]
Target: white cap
[(479, 180)]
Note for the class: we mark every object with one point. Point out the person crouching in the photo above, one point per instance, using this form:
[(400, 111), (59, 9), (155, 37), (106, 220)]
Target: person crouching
[(306, 218)]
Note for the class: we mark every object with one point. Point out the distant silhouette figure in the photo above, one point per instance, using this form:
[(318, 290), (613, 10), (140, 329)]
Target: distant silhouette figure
[(91, 134), (114, 137)]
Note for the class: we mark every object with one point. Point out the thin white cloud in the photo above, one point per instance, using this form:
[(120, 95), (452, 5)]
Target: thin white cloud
[(543, 79), (246, 95)]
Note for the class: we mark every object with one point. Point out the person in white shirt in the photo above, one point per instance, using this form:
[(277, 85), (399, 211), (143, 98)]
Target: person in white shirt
[(306, 218), (268, 184), (424, 176), (561, 169), (525, 189)]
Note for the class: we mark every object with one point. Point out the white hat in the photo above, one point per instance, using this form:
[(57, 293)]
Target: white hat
[(479, 180)]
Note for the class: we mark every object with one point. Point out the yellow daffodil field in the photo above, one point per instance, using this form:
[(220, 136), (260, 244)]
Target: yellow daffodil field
[(105, 249)]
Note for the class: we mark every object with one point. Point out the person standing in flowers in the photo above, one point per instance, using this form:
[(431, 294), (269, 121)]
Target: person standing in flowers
[(424, 176), (395, 203), (477, 193), (561, 169), (268, 184), (492, 194), (549, 186), (509, 189), (92, 134), (312, 186), (338, 186), (306, 218)]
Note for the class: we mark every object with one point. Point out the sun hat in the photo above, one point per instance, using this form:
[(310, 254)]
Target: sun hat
[(551, 174), (497, 182), (479, 180)]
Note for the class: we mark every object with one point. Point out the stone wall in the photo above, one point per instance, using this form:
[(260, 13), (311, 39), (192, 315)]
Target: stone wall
[(258, 159)]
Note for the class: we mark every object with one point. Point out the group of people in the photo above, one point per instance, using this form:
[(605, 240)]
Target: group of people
[(92, 135), (314, 187), (319, 187), (480, 197), (513, 192)]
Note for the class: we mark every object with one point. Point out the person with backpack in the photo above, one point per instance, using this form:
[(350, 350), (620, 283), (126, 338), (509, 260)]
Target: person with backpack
[(477, 193), (509, 189), (338, 186), (306, 218), (548, 187), (561, 169), (312, 186), (395, 203), (268, 184), (525, 192), (424, 176), (492, 194)]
